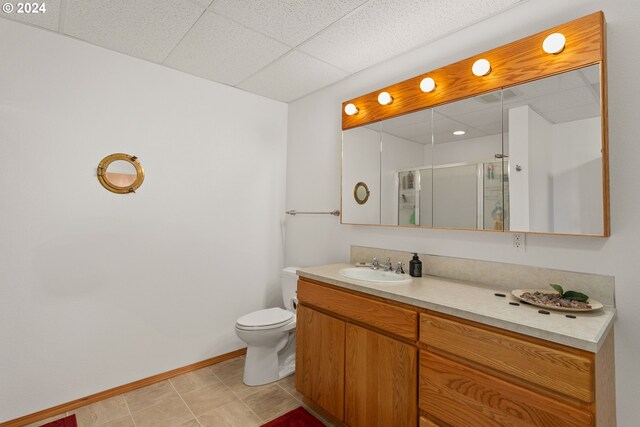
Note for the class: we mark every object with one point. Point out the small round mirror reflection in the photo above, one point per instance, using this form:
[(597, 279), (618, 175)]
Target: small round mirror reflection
[(120, 173), (361, 193)]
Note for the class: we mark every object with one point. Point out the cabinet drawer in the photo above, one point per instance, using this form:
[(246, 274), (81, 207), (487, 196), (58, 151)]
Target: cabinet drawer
[(463, 396), (387, 317), (562, 371)]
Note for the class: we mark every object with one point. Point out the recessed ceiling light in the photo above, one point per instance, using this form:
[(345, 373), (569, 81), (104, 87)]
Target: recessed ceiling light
[(384, 98), (427, 84), (350, 109), (481, 67), (554, 43), (459, 132)]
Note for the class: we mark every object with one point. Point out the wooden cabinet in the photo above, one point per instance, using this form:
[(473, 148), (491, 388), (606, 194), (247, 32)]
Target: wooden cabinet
[(477, 375), (369, 362), (381, 386), (320, 354), (376, 382)]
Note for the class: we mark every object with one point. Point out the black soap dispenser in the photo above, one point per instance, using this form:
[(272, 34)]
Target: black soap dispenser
[(415, 266)]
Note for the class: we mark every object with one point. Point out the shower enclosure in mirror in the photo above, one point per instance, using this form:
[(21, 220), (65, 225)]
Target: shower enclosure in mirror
[(468, 163)]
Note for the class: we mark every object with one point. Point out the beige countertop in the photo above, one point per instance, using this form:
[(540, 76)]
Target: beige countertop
[(478, 303)]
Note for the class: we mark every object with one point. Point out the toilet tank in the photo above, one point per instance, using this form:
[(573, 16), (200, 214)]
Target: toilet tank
[(289, 280)]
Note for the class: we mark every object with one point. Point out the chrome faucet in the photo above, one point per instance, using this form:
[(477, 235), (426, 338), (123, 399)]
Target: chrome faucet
[(388, 266), (399, 270), (375, 264)]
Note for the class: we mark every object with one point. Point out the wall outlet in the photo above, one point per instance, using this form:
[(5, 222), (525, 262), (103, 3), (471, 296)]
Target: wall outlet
[(519, 242)]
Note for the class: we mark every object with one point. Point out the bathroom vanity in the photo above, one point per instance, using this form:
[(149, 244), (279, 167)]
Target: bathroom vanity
[(510, 140), (443, 352)]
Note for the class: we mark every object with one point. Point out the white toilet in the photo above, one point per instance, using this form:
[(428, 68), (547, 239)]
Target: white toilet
[(270, 335)]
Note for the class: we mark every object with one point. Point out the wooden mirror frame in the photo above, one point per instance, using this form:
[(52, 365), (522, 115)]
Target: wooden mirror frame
[(104, 165), (355, 193), (513, 64)]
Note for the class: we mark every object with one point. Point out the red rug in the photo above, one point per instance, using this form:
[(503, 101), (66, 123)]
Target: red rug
[(299, 417), (69, 421)]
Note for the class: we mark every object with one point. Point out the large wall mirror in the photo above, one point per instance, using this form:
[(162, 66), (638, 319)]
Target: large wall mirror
[(526, 158)]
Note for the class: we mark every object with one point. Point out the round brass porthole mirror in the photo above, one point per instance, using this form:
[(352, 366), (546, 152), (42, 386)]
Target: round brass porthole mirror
[(120, 173), (361, 193)]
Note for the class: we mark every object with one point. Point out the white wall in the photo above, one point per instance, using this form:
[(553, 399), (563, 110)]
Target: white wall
[(541, 173), (98, 289), (313, 171), (577, 168), (531, 188), (519, 180)]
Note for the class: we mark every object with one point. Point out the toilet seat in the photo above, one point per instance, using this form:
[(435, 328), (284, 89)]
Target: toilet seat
[(270, 318)]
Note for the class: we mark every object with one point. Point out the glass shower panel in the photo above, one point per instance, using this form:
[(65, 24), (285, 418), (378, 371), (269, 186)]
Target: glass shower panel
[(455, 197), (467, 163), (494, 213), (426, 196)]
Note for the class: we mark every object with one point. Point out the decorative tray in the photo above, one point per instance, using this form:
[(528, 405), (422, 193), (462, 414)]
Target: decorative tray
[(517, 293)]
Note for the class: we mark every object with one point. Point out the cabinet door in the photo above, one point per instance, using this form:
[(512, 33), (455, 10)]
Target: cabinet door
[(381, 380), (320, 359)]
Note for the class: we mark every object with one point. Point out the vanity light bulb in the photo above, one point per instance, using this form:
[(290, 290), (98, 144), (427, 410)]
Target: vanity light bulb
[(350, 109), (427, 84), (384, 98), (481, 67), (554, 43)]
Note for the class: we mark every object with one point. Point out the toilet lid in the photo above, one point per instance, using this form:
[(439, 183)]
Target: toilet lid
[(269, 317)]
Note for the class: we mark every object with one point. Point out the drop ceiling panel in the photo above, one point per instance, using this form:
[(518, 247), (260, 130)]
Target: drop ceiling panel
[(219, 49), (289, 21), (419, 117), (559, 101), (479, 118), (247, 43), (444, 136), (449, 125), (424, 139), (292, 76), (382, 29), (468, 106), (49, 19), (418, 132), (147, 29), (575, 113)]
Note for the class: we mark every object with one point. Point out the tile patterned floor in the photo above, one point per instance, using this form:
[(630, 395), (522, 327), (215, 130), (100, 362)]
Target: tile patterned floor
[(214, 396)]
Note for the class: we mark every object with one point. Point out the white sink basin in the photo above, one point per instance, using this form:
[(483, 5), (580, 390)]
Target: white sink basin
[(369, 275)]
